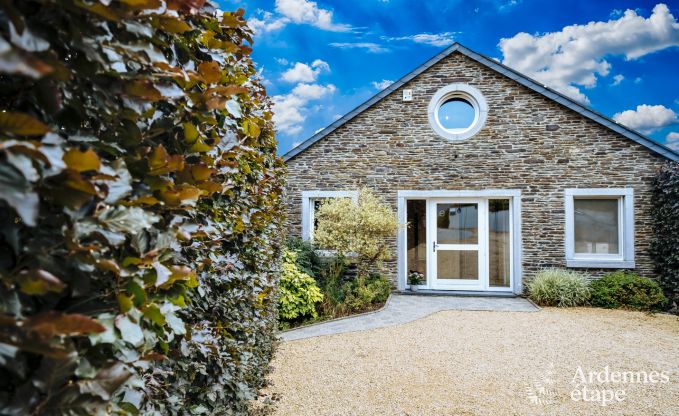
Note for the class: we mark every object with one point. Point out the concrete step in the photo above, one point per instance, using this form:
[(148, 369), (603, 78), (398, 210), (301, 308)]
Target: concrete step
[(465, 293)]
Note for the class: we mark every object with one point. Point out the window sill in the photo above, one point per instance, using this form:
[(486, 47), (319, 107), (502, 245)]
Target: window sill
[(601, 264)]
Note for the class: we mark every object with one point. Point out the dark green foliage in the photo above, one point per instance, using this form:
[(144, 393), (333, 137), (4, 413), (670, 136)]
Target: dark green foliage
[(344, 293), (140, 201), (345, 297), (307, 260), (333, 285), (365, 293), (665, 245), (627, 290), (379, 288)]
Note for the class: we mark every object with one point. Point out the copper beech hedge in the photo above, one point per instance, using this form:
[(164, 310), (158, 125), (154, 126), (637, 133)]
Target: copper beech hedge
[(140, 209), (665, 245)]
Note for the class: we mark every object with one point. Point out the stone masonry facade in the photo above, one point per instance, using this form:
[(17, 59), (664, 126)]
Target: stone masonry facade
[(529, 142)]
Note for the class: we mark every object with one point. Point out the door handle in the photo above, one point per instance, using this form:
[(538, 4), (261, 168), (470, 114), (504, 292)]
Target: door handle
[(433, 246)]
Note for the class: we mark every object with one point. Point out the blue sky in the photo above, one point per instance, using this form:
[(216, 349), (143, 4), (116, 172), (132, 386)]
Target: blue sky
[(320, 59)]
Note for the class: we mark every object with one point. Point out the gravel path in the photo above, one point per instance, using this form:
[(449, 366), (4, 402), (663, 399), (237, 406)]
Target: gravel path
[(482, 363)]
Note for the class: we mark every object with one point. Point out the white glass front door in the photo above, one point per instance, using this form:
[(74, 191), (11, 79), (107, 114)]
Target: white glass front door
[(469, 244), (457, 235)]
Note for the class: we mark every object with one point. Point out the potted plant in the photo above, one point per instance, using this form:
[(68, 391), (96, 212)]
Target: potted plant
[(415, 278)]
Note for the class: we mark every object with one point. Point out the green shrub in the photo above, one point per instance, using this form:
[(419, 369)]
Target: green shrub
[(298, 291), (627, 290), (334, 287), (365, 293), (665, 244), (338, 294), (307, 259), (140, 209), (558, 287), (344, 296), (380, 286)]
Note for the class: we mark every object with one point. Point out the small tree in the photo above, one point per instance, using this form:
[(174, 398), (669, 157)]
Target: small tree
[(361, 228), (665, 246)]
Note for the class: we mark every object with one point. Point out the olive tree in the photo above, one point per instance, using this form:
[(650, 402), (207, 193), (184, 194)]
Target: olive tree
[(362, 228)]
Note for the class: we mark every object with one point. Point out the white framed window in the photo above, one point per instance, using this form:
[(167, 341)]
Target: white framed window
[(600, 227), (311, 200), (457, 111)]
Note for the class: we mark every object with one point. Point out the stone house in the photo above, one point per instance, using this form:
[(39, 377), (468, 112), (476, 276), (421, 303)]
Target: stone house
[(496, 176)]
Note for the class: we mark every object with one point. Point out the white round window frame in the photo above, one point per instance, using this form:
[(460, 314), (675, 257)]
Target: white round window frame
[(467, 93)]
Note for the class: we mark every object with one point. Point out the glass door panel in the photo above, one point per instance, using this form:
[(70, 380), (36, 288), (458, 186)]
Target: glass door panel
[(499, 243), (416, 237), (457, 264), (457, 240), (469, 243), (457, 223)]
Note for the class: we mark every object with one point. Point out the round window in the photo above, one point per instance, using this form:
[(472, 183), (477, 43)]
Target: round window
[(456, 114), (457, 111)]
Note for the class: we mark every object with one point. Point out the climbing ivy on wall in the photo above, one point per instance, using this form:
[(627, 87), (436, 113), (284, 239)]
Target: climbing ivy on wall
[(665, 245), (140, 209)]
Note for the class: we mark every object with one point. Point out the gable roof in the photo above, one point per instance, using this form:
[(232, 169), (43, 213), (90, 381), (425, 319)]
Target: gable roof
[(508, 72)]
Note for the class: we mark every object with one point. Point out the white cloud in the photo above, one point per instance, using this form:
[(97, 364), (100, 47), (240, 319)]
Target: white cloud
[(574, 57), (647, 118), (369, 46), (380, 85), (290, 109), (268, 23), (298, 12), (433, 39), (304, 11), (295, 144), (318, 63), (287, 113), (617, 79), (313, 91), (282, 61), (672, 141), (301, 72), (504, 6)]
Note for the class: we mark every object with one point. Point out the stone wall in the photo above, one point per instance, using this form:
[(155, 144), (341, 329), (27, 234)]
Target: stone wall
[(529, 142)]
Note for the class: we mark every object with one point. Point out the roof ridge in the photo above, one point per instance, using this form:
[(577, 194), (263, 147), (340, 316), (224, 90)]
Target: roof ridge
[(506, 71)]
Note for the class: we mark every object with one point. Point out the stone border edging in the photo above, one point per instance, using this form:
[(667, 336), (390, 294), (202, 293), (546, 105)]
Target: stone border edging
[(339, 319), (531, 302)]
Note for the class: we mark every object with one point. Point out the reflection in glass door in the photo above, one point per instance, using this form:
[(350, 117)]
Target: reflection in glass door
[(458, 238), (499, 243), (416, 238), (470, 244)]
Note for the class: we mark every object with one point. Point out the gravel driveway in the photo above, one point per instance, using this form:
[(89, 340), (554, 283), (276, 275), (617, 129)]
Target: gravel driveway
[(485, 363)]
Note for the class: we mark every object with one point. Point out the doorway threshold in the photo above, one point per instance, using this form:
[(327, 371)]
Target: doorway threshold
[(466, 293)]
